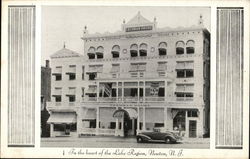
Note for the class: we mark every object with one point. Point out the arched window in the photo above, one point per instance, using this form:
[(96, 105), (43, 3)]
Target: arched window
[(190, 47), (162, 48), (134, 50), (180, 47), (143, 49), (91, 53), (115, 51), (99, 52)]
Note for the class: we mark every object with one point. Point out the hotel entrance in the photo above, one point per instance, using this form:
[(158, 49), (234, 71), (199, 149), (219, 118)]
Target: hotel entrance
[(127, 119)]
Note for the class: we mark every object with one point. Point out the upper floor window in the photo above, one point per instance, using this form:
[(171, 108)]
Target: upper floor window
[(115, 51), (180, 47), (99, 52), (58, 98), (185, 65), (162, 48), (143, 49), (135, 67), (162, 66), (185, 73), (115, 68), (71, 72), (58, 73), (190, 47), (134, 50), (91, 53)]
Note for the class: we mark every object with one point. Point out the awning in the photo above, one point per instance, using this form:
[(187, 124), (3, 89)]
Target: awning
[(90, 115), (132, 113), (91, 90), (60, 118)]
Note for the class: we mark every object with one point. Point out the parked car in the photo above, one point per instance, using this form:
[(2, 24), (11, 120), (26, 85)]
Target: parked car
[(158, 135)]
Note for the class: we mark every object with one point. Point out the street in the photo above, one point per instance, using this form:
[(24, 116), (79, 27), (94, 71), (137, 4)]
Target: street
[(119, 142)]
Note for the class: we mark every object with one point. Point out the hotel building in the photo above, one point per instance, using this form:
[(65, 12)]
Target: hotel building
[(138, 79)]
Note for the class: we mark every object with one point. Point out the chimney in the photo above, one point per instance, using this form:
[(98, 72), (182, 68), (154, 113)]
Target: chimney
[(47, 63)]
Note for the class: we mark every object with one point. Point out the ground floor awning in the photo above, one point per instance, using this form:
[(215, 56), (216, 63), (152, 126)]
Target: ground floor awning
[(132, 113), (62, 118)]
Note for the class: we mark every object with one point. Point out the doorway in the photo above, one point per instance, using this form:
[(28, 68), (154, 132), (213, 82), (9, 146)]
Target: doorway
[(192, 128)]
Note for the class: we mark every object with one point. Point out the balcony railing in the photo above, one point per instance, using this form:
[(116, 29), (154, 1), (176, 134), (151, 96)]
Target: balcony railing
[(125, 75), (122, 99)]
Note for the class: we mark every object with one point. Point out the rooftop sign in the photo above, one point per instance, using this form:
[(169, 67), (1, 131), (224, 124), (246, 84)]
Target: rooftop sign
[(141, 28)]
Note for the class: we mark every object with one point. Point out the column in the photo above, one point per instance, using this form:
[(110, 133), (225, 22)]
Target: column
[(144, 90), (165, 117), (138, 91), (138, 120), (97, 95), (52, 130), (79, 121), (117, 86), (133, 126), (122, 91), (166, 93), (144, 119), (200, 124), (116, 125), (97, 119), (186, 124)]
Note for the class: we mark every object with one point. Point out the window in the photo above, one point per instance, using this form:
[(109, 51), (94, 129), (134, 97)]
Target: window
[(83, 71), (185, 73), (71, 72), (112, 125), (59, 127), (190, 47), (180, 47), (58, 98), (161, 74), (92, 76), (136, 67), (162, 48), (99, 52), (192, 113), (72, 76), (72, 98), (91, 53), (161, 92), (184, 96), (115, 51), (115, 68), (134, 50), (162, 66), (59, 77), (143, 49), (58, 73)]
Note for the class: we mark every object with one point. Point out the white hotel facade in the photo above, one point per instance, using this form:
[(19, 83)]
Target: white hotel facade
[(133, 80)]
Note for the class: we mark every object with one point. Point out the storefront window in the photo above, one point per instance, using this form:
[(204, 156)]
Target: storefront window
[(179, 121)]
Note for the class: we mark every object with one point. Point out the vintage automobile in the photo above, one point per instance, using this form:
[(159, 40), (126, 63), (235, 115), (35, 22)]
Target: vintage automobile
[(158, 135)]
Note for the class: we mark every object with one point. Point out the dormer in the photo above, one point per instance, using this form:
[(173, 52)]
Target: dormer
[(138, 23)]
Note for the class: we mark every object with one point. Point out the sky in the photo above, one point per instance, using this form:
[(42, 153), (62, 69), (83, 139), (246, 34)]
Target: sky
[(66, 23)]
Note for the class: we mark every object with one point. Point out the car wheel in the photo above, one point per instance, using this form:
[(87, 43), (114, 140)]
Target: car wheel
[(168, 140), (139, 140)]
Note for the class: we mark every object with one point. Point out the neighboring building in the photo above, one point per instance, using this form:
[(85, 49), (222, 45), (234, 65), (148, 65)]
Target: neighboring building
[(45, 97), (133, 80)]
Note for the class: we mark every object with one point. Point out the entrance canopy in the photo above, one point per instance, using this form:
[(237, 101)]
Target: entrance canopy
[(132, 113), (60, 118)]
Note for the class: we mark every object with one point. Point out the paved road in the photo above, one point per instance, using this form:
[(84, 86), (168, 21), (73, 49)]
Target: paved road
[(117, 142)]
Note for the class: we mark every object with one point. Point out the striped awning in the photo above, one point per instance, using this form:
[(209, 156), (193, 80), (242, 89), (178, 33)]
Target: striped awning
[(132, 113), (66, 118)]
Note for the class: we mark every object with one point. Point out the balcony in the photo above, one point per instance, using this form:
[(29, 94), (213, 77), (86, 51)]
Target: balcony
[(61, 106), (133, 75)]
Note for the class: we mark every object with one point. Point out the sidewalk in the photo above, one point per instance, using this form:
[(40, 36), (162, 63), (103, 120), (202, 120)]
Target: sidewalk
[(118, 139)]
